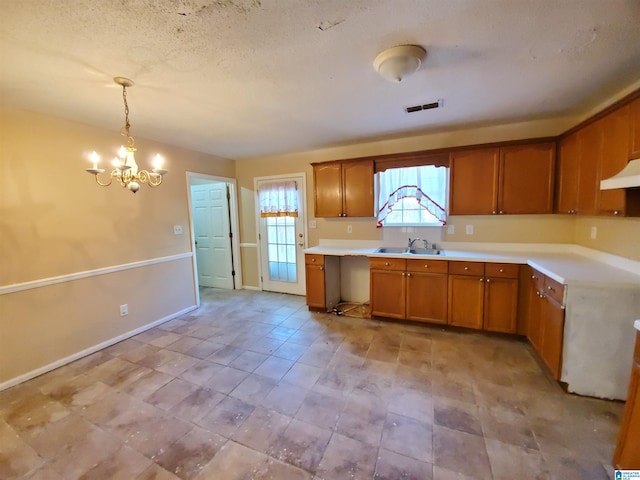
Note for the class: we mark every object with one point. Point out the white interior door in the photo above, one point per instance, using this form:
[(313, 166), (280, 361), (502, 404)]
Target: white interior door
[(282, 243), (212, 234)]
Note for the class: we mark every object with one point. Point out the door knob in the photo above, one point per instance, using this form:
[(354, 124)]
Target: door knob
[(301, 244)]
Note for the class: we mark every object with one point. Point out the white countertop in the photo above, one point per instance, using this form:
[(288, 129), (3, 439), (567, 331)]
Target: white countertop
[(564, 263), (637, 324)]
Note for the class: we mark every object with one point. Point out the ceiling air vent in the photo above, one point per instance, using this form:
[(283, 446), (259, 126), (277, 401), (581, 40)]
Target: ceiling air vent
[(426, 106)]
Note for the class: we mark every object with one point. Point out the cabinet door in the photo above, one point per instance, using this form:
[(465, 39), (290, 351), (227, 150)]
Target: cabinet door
[(327, 189), (615, 151), (552, 335), (500, 304), (627, 454), (466, 296), (589, 151), (316, 293), (567, 183), (427, 297), (357, 188), (388, 293), (526, 179), (634, 129), (534, 317), (474, 182)]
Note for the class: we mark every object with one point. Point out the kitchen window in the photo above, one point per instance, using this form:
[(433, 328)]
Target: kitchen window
[(412, 196)]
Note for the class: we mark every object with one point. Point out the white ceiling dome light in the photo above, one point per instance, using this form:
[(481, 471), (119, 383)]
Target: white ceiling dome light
[(397, 63)]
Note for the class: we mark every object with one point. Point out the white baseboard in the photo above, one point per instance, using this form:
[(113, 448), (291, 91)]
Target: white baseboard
[(88, 351)]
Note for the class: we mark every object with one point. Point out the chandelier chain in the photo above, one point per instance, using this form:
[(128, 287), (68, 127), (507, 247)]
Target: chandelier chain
[(127, 125)]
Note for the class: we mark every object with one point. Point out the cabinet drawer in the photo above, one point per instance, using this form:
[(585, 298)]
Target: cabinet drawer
[(537, 279), (467, 268), (430, 266), (387, 263), (313, 259), (554, 289), (502, 270)]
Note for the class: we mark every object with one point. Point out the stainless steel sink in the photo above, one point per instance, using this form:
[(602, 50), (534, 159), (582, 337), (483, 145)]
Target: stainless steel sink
[(408, 251), (424, 251), (395, 250)]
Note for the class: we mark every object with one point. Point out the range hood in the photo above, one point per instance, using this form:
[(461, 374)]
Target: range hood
[(628, 177)]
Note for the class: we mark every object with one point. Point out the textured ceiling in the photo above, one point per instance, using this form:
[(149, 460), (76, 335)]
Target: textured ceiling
[(241, 78)]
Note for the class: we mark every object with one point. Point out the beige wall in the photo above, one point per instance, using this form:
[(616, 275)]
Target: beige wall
[(619, 236), (55, 221)]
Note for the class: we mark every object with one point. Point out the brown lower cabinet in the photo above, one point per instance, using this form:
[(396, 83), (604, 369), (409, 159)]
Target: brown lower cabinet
[(483, 296), (627, 454), (545, 320), (322, 278), (466, 294), (413, 289)]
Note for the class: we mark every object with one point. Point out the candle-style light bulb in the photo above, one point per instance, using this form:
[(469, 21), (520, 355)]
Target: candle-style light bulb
[(122, 153), (157, 162), (116, 162), (94, 158)]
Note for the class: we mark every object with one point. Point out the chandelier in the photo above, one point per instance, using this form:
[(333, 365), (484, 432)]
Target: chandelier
[(125, 169)]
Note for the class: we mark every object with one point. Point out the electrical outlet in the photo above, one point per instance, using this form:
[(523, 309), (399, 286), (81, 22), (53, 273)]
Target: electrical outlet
[(451, 229), (349, 229), (124, 310), (594, 233), (469, 229), (177, 229), (313, 224)]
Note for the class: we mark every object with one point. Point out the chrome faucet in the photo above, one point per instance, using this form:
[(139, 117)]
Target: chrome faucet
[(411, 242)]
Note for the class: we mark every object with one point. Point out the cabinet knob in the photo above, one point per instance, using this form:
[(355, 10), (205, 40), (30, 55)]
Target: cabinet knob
[(426, 266), (407, 274), (501, 212), (501, 270), (494, 212), (482, 280), (550, 288), (386, 264), (616, 212), (313, 259), (321, 268), (533, 277), (466, 268)]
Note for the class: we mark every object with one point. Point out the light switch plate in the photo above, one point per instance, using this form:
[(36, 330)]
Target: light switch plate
[(451, 229), (469, 229), (177, 229), (594, 233), (312, 224), (349, 229)]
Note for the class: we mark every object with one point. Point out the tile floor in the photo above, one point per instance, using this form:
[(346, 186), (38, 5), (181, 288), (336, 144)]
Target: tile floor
[(253, 386)]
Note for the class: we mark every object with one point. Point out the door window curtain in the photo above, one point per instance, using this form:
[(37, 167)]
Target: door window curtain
[(427, 184), (278, 199)]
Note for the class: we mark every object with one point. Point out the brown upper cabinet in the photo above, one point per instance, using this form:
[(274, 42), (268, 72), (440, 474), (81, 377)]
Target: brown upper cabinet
[(517, 179), (615, 154), (634, 129), (343, 189), (596, 151), (578, 171)]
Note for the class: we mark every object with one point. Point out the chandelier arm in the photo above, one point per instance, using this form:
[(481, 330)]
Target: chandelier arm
[(104, 184), (151, 179)]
